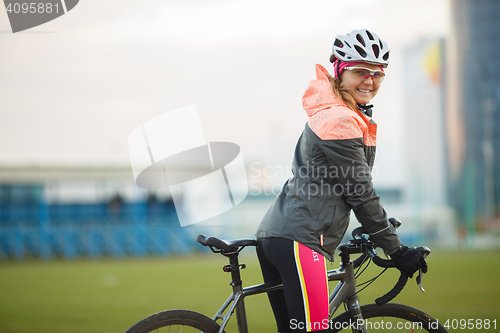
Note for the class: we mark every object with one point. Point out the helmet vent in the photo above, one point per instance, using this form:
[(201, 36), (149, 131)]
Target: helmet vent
[(341, 53), (338, 43), (346, 43), (369, 35), (386, 56), (360, 39), (381, 45), (376, 50), (360, 51)]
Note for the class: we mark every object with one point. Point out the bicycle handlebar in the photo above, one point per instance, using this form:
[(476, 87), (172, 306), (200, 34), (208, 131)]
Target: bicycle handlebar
[(369, 250), (403, 278)]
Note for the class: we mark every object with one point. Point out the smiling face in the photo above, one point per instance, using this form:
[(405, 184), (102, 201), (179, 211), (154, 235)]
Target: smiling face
[(363, 90)]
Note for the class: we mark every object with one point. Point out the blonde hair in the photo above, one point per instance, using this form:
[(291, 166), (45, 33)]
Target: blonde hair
[(339, 90)]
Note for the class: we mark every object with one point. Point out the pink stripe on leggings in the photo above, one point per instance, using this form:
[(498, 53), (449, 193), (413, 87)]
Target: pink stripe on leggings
[(311, 267)]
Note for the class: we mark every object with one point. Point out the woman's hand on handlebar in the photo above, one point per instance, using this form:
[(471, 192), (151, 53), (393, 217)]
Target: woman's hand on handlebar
[(409, 260)]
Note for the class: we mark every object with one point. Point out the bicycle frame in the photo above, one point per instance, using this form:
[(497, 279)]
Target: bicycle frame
[(345, 291)]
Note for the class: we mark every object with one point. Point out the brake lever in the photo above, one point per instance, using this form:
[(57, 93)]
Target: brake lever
[(419, 280), (425, 252)]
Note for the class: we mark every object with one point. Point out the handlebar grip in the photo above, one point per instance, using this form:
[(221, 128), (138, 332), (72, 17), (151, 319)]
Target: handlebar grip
[(383, 262), (403, 279), (358, 232)]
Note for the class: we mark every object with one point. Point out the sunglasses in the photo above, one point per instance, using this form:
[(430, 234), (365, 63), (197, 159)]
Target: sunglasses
[(362, 72)]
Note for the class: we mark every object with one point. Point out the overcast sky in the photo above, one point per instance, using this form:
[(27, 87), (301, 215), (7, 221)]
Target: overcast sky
[(73, 89)]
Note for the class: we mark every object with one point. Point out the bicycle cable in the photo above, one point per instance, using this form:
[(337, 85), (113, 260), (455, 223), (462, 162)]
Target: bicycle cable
[(356, 275), (369, 282)]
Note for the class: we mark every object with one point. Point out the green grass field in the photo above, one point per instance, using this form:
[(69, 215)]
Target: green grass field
[(110, 296)]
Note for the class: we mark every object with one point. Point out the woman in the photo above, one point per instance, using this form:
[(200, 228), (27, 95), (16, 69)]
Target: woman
[(331, 176)]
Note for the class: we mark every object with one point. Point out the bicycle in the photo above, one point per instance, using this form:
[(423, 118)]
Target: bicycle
[(375, 317)]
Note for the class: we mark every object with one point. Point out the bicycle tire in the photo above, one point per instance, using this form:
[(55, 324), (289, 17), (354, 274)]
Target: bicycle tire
[(174, 321), (386, 318)]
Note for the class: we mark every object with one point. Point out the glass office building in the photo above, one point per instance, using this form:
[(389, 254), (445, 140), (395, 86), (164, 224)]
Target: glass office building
[(472, 113)]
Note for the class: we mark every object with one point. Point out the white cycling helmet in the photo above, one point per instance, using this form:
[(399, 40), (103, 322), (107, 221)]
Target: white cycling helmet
[(360, 45)]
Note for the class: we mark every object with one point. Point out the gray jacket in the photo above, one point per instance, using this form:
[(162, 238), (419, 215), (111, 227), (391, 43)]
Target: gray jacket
[(331, 175)]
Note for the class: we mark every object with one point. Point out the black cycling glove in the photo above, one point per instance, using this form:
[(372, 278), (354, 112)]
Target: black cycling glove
[(408, 260)]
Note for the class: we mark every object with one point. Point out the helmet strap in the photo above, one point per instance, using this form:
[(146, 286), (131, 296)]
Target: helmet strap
[(366, 109), (338, 70)]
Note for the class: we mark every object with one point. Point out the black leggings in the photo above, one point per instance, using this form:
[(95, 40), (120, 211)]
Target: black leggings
[(281, 262)]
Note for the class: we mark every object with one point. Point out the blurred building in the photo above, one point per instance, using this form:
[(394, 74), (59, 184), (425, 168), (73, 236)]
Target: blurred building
[(424, 126), (472, 115), (429, 216)]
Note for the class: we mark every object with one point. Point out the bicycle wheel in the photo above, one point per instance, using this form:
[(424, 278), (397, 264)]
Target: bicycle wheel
[(390, 317), (175, 321)]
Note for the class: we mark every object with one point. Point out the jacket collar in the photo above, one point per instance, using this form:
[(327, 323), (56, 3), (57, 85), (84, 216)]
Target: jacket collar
[(319, 95)]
